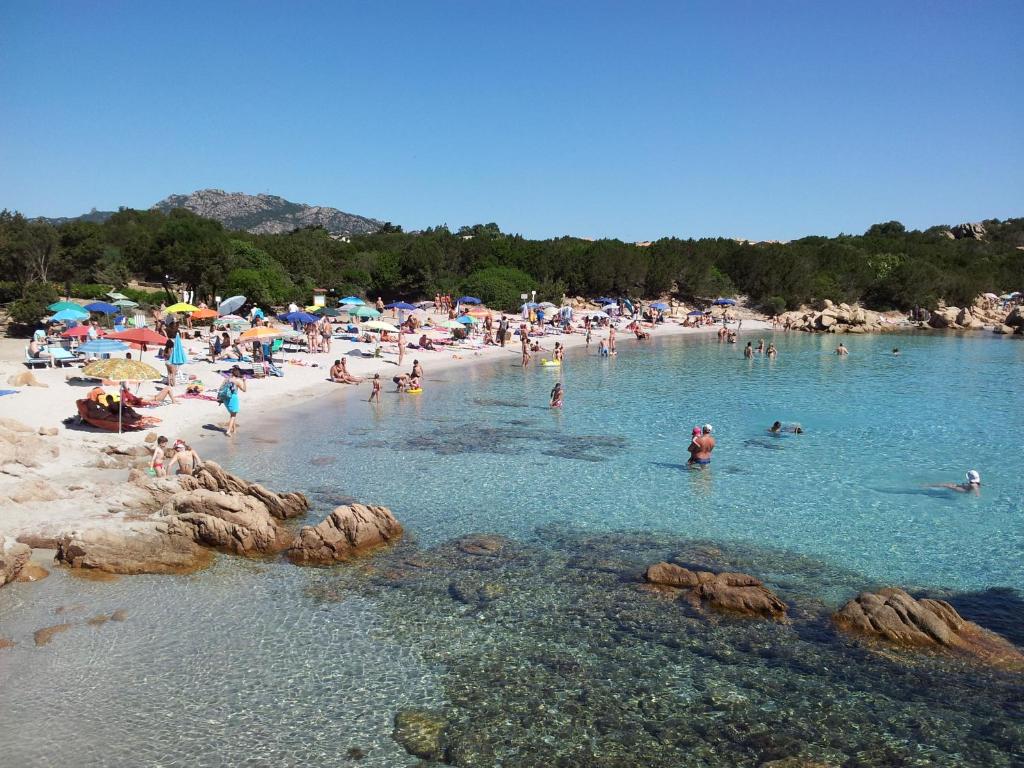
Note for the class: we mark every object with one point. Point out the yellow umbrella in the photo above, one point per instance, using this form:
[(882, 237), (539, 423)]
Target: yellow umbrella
[(181, 307), (116, 369), (260, 332)]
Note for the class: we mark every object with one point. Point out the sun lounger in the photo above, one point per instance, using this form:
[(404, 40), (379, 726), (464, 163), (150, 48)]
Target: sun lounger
[(32, 362)]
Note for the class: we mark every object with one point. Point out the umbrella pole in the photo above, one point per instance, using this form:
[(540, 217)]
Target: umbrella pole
[(120, 411)]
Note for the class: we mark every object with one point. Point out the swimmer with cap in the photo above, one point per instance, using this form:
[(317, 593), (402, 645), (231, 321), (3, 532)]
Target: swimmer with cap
[(971, 485)]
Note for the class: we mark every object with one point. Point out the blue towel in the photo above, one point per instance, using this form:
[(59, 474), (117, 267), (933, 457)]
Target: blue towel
[(8, 392)]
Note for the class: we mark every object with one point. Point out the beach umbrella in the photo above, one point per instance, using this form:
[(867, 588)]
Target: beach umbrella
[(261, 332), (720, 302), (466, 320), (139, 336), (231, 304), (380, 325), (327, 312), (546, 304), (351, 300), (101, 307), (115, 296), (452, 324), (59, 305), (178, 356), (530, 305), (603, 300), (102, 346), (70, 314), (479, 312), (659, 305), (77, 332), (597, 315), (298, 317), (204, 314), (364, 311), (695, 313), (125, 303), (121, 370), (181, 308), (422, 304), (469, 300), (399, 305)]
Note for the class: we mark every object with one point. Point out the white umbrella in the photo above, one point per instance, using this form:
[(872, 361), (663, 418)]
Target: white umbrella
[(597, 315), (229, 305)]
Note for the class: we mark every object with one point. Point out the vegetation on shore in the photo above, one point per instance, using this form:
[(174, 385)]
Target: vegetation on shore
[(888, 267)]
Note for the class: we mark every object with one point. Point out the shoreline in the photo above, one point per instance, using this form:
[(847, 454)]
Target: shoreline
[(77, 484)]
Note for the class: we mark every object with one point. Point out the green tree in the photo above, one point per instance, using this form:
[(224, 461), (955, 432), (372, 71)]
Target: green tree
[(499, 287)]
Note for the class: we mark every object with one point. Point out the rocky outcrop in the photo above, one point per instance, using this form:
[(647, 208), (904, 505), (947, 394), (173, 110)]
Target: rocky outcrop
[(14, 557), (20, 445), (893, 616), (732, 593), (213, 477), (145, 546), (834, 318), (267, 214), (968, 231), (229, 522), (349, 531)]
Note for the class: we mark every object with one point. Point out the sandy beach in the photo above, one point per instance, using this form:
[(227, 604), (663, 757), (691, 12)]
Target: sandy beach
[(77, 487)]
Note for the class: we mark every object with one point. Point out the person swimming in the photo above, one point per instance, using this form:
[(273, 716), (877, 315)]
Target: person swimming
[(972, 484), (778, 428)]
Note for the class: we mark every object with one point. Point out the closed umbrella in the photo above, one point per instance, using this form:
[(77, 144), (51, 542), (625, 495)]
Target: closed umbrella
[(121, 370), (229, 305), (178, 356)]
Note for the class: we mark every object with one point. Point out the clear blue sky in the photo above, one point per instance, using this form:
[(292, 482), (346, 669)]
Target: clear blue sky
[(633, 120)]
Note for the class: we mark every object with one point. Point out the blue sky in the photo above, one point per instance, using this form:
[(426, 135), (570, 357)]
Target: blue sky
[(632, 120)]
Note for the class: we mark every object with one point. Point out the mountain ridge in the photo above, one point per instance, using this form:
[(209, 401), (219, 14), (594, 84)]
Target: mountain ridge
[(259, 214)]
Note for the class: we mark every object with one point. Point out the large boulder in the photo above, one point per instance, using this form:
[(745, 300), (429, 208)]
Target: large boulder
[(14, 556), (145, 546), (944, 317), (732, 593), (213, 477), (230, 522), (967, 319), (1015, 318), (347, 532), (968, 231), (21, 445), (893, 616)]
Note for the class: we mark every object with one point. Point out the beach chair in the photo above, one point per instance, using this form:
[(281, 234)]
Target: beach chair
[(32, 362)]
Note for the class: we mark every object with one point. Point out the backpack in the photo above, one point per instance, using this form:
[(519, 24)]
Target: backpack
[(224, 393)]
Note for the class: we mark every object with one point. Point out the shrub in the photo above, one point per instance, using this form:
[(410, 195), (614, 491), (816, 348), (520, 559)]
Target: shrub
[(32, 307), (499, 287)]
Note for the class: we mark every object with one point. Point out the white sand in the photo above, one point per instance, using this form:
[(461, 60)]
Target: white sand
[(40, 407)]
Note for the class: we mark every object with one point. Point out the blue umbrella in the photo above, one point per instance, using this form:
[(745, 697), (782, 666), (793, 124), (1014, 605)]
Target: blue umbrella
[(102, 306), (659, 305), (299, 317), (351, 300), (695, 313), (465, 320), (102, 346), (530, 305), (724, 302), (468, 300), (178, 356), (70, 314), (399, 305)]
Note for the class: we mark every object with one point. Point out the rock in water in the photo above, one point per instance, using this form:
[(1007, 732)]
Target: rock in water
[(421, 733), (141, 547), (213, 477), (732, 593), (347, 532), (14, 556), (894, 616), (231, 522)]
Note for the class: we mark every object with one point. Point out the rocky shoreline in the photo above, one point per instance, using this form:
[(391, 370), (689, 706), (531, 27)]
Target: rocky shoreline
[(844, 318)]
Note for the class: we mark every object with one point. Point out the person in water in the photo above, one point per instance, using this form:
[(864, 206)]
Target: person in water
[(971, 485), (557, 395), (748, 351), (777, 428), (772, 352), (895, 350), (701, 448), (375, 392), (841, 350)]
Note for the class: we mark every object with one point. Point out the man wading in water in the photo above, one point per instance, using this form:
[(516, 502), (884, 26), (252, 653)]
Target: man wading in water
[(701, 447)]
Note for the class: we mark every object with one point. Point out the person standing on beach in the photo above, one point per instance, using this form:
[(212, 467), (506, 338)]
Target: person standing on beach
[(401, 348), (228, 394), (375, 392), (502, 330)]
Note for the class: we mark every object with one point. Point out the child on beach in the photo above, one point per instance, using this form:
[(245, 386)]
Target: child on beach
[(375, 392), (156, 463)]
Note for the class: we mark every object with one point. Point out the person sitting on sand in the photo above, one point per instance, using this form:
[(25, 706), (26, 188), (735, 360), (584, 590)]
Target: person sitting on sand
[(130, 398), (971, 485), (426, 343)]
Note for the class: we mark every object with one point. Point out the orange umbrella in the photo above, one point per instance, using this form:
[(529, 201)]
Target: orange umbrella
[(260, 332), (479, 312), (204, 314)]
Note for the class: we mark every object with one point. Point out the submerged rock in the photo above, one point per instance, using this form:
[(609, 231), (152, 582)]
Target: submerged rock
[(45, 635), (894, 616), (733, 593), (349, 531), (421, 733)]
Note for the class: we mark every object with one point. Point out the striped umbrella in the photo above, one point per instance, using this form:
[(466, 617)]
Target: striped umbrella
[(102, 347)]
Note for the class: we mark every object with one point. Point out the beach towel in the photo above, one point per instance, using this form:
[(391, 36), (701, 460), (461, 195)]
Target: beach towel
[(8, 392)]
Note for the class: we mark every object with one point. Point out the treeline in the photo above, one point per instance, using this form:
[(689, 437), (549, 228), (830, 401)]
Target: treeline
[(887, 267)]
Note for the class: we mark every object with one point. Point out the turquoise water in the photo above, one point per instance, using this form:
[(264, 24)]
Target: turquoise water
[(549, 653)]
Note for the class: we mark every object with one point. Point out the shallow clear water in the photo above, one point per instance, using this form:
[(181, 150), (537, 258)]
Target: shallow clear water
[(549, 654)]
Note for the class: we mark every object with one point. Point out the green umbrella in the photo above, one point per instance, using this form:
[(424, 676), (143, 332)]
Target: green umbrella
[(58, 306), (125, 304), (365, 311)]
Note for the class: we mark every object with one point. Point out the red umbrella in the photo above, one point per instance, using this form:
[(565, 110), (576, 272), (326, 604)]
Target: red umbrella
[(77, 331), (139, 336)]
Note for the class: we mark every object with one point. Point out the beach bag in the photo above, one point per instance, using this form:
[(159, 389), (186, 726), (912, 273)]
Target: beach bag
[(225, 392)]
